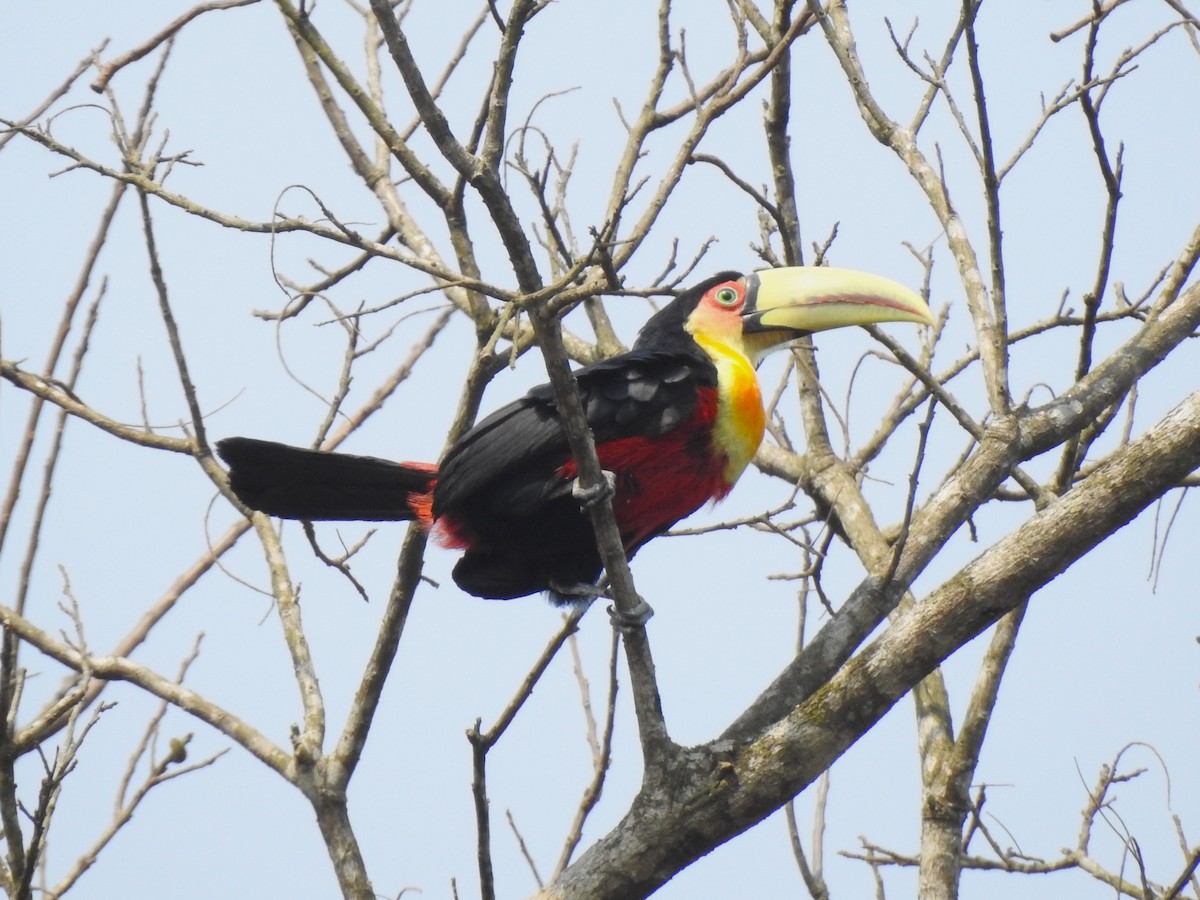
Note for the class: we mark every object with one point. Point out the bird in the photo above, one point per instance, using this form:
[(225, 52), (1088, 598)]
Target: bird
[(676, 420)]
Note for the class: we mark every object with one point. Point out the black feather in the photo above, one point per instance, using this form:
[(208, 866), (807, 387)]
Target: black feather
[(295, 483)]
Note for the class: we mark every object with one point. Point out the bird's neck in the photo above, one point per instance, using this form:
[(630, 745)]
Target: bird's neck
[(740, 421)]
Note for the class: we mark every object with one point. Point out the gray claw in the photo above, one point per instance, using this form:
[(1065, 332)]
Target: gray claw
[(632, 620), (568, 594), (597, 493)]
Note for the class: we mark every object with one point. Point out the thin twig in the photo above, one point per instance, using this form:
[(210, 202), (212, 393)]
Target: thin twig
[(109, 69)]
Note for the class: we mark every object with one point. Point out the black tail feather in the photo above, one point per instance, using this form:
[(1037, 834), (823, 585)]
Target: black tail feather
[(295, 483)]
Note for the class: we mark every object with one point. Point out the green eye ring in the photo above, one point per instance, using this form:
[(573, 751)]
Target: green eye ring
[(727, 296)]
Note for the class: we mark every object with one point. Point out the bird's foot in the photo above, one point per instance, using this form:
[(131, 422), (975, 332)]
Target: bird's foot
[(575, 594), (597, 493), (634, 619)]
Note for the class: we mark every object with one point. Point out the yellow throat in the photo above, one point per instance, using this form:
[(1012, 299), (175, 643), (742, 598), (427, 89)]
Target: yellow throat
[(740, 423)]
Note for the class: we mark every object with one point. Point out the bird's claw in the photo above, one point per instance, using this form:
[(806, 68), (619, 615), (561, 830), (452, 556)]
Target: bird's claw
[(634, 619), (597, 493), (572, 594)]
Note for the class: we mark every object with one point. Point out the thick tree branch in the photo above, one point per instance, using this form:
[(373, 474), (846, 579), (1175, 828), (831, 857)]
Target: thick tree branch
[(724, 787)]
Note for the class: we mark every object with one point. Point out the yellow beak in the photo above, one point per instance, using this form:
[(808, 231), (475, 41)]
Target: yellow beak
[(784, 304)]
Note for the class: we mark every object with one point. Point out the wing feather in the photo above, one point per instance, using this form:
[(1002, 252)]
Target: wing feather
[(508, 463)]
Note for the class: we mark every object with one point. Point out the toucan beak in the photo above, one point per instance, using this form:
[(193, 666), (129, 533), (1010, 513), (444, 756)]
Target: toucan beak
[(784, 304)]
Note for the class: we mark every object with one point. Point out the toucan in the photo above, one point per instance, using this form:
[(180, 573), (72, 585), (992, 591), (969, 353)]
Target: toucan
[(676, 420)]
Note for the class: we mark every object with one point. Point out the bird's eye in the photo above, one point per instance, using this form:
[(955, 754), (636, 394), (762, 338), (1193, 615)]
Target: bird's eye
[(727, 296)]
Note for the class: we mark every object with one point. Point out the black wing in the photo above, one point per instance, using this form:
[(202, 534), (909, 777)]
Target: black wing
[(507, 462)]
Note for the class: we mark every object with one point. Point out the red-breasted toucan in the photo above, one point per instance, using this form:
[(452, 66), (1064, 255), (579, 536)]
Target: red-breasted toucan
[(676, 421)]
